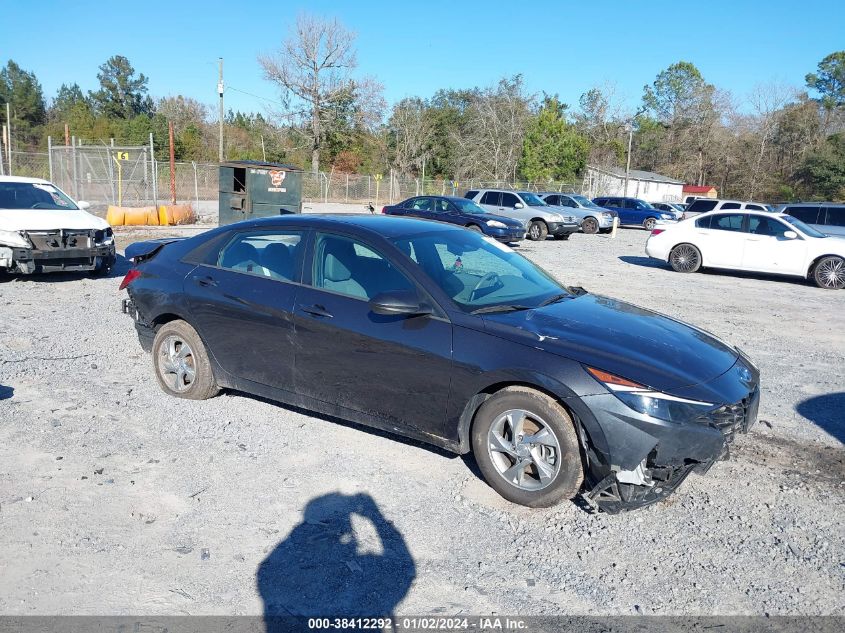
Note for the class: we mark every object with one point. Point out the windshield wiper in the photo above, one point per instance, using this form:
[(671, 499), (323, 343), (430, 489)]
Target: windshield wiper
[(554, 299), (506, 307)]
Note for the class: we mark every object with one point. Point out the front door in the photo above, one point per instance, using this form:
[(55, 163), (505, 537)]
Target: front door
[(242, 305), (768, 250), (396, 368)]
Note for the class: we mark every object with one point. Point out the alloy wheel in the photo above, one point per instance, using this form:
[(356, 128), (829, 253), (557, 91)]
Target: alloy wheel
[(534, 231), (649, 224), (524, 449), (590, 226), (685, 258), (831, 272), (177, 367)]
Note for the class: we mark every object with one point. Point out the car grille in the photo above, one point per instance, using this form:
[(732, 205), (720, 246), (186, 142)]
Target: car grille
[(735, 418)]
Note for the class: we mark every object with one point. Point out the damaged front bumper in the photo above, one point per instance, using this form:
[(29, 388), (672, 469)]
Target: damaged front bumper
[(60, 250), (677, 451)]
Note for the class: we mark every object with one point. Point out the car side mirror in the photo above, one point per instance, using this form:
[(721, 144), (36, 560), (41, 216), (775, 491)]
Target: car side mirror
[(518, 205), (399, 302), (83, 205), (790, 235)]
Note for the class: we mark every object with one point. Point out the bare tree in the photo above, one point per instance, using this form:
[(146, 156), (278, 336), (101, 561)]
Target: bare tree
[(768, 102), (313, 68), (412, 133)]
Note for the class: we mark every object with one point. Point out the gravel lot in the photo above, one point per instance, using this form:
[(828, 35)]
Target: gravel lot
[(115, 499)]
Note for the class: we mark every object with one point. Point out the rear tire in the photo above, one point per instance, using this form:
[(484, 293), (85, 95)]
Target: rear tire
[(829, 273), (537, 473), (590, 226), (685, 258), (537, 231), (181, 363), (649, 224)]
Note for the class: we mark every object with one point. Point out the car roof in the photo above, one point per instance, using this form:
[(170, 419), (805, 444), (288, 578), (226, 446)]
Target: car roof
[(24, 179), (385, 225)]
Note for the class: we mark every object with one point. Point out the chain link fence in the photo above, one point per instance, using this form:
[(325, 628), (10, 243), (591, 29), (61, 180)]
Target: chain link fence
[(130, 176)]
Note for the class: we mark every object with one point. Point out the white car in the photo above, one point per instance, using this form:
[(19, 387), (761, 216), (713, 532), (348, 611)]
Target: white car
[(758, 242), (43, 230)]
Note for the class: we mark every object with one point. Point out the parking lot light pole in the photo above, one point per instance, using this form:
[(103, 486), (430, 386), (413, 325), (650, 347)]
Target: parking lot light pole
[(630, 129)]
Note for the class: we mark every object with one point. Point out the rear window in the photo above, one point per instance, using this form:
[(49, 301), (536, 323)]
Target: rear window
[(703, 223), (702, 206), (754, 207)]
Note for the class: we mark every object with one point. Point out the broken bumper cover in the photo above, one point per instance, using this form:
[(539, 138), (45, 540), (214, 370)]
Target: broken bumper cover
[(146, 333), (60, 250), (670, 453)]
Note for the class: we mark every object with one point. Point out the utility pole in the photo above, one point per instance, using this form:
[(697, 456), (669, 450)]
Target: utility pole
[(172, 164), (9, 139), (220, 114), (630, 129)]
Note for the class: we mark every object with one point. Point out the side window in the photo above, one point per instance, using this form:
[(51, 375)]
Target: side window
[(730, 205), (469, 195), (726, 222), (703, 223), (509, 200), (762, 225), (441, 205), (346, 266), (702, 206), (421, 204), (491, 198), (264, 253), (631, 204), (835, 216), (553, 199), (567, 202), (753, 207), (810, 215)]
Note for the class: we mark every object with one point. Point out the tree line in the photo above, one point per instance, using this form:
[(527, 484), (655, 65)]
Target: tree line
[(778, 143)]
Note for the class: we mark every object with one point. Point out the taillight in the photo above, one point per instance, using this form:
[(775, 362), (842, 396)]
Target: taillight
[(131, 276), (384, 210), (657, 231)]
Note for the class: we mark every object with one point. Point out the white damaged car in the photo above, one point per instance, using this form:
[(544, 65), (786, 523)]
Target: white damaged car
[(43, 230)]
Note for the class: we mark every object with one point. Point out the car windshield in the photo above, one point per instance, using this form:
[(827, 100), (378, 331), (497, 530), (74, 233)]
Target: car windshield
[(585, 202), (33, 195), (477, 272), (467, 206), (531, 200), (804, 228)]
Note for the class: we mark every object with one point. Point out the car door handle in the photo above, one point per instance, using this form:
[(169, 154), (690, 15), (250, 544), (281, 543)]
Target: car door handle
[(753, 239), (204, 280), (316, 310)]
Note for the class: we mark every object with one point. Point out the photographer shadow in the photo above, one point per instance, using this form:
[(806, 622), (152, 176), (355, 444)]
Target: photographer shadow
[(345, 559)]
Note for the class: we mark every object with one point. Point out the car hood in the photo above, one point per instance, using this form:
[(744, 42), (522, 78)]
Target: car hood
[(48, 220), (621, 338)]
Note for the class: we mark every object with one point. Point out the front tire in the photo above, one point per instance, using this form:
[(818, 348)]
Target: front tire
[(590, 226), (685, 258), (829, 273), (181, 363), (526, 447), (537, 231), (649, 224)]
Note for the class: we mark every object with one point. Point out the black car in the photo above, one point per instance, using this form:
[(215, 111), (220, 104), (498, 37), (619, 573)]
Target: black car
[(460, 211), (446, 336)]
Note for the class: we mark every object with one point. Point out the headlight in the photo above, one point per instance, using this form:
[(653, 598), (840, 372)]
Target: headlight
[(13, 238), (103, 236), (654, 403), (666, 216), (496, 224), (556, 217), (607, 216)]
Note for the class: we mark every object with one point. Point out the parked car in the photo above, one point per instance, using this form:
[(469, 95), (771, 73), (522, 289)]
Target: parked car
[(448, 337), (826, 217), (636, 212), (759, 242), (671, 207), (541, 219), (593, 218), (462, 212), (43, 230), (703, 205)]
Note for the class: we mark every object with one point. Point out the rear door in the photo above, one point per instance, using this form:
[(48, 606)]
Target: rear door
[(242, 303), (766, 248), (397, 368), (721, 239)]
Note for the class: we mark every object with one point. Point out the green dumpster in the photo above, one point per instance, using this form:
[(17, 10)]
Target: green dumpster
[(252, 189)]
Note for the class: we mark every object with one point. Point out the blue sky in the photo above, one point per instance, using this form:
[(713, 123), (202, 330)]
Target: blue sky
[(414, 48)]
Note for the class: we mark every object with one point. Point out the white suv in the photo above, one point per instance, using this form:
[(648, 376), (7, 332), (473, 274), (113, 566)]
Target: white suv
[(703, 205)]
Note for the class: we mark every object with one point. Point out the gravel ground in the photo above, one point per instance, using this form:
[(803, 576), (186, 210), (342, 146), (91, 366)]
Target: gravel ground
[(115, 499)]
